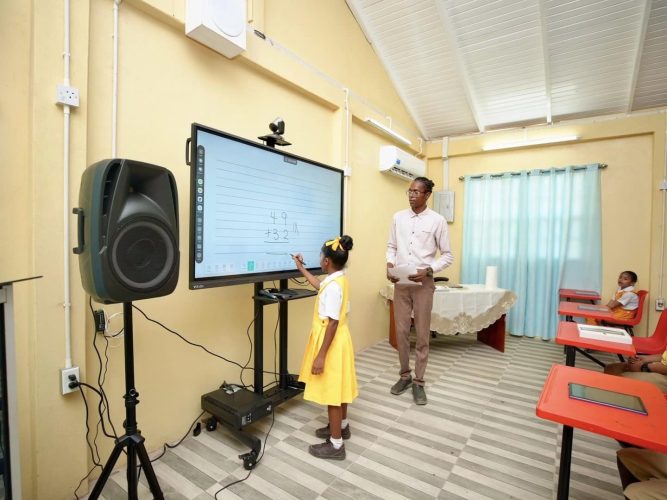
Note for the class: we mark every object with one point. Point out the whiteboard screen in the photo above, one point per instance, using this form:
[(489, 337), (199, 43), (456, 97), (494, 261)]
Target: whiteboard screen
[(252, 206)]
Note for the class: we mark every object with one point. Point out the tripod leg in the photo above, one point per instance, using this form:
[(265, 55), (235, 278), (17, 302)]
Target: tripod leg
[(145, 462), (106, 472), (132, 472)]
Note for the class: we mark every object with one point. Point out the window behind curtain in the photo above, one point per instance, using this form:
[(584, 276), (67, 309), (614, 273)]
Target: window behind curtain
[(542, 229)]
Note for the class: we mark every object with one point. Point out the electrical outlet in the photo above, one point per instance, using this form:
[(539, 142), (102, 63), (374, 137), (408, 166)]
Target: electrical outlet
[(68, 375), (660, 304), (67, 95)]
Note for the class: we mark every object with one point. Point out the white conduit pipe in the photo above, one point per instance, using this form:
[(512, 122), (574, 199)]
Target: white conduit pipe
[(66, 209), (445, 163), (664, 208), (346, 164), (114, 84)]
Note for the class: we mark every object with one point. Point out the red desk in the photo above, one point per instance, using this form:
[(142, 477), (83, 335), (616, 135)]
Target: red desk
[(568, 335), (648, 431), (574, 309), (574, 294)]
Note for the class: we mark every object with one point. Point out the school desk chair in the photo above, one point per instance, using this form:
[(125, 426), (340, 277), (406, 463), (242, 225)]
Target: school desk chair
[(629, 323), (656, 343)]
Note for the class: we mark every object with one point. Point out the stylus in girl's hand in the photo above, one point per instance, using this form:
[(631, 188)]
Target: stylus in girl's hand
[(298, 257)]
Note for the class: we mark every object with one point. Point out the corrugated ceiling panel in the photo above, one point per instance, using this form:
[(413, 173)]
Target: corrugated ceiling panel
[(592, 46), (410, 40), (651, 89), (461, 63), (500, 44)]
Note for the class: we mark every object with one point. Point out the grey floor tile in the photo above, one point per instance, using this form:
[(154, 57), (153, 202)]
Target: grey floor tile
[(477, 438)]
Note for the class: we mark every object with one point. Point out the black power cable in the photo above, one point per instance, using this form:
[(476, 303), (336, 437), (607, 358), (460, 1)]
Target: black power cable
[(273, 419), (194, 344)]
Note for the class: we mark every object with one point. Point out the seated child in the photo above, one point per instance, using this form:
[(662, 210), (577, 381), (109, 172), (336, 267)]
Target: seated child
[(626, 301), (651, 368)]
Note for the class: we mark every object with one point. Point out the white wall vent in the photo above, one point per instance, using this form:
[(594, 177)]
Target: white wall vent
[(218, 24), (397, 162)]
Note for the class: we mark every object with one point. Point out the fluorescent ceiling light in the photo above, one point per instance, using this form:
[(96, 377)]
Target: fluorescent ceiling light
[(396, 136), (529, 142)]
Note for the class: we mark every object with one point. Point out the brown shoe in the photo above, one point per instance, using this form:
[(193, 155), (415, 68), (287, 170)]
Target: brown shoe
[(325, 432), (327, 450)]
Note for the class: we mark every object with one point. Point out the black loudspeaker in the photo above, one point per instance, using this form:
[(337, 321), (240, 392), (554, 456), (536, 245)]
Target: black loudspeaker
[(127, 231)]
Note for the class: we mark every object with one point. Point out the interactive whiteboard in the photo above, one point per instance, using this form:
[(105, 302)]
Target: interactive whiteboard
[(252, 206)]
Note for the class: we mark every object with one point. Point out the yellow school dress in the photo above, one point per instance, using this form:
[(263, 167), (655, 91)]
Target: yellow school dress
[(337, 384)]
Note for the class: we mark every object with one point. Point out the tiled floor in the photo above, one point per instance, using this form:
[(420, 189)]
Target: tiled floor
[(477, 438)]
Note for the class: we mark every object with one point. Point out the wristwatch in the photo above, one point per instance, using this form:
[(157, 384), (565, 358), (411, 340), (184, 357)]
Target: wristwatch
[(646, 368), (429, 272)]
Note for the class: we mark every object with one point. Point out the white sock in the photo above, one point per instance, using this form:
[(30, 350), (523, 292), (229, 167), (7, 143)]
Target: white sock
[(337, 443), (344, 423)]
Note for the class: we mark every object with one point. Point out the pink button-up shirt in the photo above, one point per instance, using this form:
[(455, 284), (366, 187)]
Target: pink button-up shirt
[(416, 238)]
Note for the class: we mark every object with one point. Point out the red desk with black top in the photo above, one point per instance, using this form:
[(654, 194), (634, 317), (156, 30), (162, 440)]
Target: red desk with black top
[(568, 335), (648, 431)]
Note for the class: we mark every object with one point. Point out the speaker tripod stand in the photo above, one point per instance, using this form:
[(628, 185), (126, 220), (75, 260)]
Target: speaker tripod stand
[(132, 440)]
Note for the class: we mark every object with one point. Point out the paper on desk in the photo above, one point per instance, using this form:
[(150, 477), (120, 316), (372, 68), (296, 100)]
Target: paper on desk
[(402, 272)]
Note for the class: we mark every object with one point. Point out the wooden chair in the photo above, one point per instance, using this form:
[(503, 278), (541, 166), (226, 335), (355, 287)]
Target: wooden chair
[(628, 324)]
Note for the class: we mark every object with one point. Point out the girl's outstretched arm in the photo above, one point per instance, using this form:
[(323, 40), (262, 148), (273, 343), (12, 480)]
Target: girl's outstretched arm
[(298, 260)]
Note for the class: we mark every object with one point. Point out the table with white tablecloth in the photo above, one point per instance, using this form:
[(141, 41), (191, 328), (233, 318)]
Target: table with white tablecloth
[(469, 309)]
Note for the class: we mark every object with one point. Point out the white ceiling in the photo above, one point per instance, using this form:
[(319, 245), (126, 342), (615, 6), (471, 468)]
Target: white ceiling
[(465, 66)]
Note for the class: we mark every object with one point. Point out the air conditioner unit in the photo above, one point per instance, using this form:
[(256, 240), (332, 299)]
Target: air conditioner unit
[(397, 162)]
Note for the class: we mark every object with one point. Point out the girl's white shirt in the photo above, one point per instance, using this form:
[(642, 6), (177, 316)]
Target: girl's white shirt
[(331, 297)]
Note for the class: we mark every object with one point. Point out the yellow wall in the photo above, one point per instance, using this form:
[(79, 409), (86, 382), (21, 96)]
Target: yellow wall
[(167, 81), (633, 149)]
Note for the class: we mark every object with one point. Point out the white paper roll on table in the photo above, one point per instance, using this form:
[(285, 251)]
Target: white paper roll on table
[(491, 277)]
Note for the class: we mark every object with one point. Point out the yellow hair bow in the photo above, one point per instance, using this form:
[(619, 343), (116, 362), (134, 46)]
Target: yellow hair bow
[(334, 244)]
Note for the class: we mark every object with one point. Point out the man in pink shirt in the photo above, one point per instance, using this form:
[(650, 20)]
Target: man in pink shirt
[(417, 234)]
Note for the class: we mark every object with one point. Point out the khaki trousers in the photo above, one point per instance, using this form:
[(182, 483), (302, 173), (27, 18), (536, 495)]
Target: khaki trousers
[(650, 467), (414, 300)]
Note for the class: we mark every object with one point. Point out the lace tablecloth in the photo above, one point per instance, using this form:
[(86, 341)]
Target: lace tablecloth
[(464, 310)]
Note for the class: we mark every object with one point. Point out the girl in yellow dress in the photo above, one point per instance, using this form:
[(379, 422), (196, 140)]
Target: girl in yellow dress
[(327, 368)]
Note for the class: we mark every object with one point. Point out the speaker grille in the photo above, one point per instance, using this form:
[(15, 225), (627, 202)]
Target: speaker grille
[(143, 255)]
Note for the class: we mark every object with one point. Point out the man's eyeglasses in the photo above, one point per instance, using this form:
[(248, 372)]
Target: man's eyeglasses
[(414, 192)]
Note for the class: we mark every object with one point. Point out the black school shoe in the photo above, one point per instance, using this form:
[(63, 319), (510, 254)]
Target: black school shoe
[(325, 432), (327, 450)]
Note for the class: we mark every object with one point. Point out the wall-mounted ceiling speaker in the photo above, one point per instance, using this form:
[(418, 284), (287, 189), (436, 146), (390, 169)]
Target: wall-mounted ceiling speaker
[(127, 231)]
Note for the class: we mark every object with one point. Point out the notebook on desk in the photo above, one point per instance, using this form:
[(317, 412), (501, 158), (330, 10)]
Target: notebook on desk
[(585, 292)]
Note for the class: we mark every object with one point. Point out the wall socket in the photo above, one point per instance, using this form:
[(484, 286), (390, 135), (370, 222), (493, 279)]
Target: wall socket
[(67, 95), (660, 304), (65, 379)]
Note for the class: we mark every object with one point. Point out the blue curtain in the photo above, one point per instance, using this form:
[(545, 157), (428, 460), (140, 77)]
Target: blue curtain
[(542, 230)]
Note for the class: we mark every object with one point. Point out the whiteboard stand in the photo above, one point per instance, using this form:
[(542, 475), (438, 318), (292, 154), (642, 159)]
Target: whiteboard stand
[(250, 406)]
